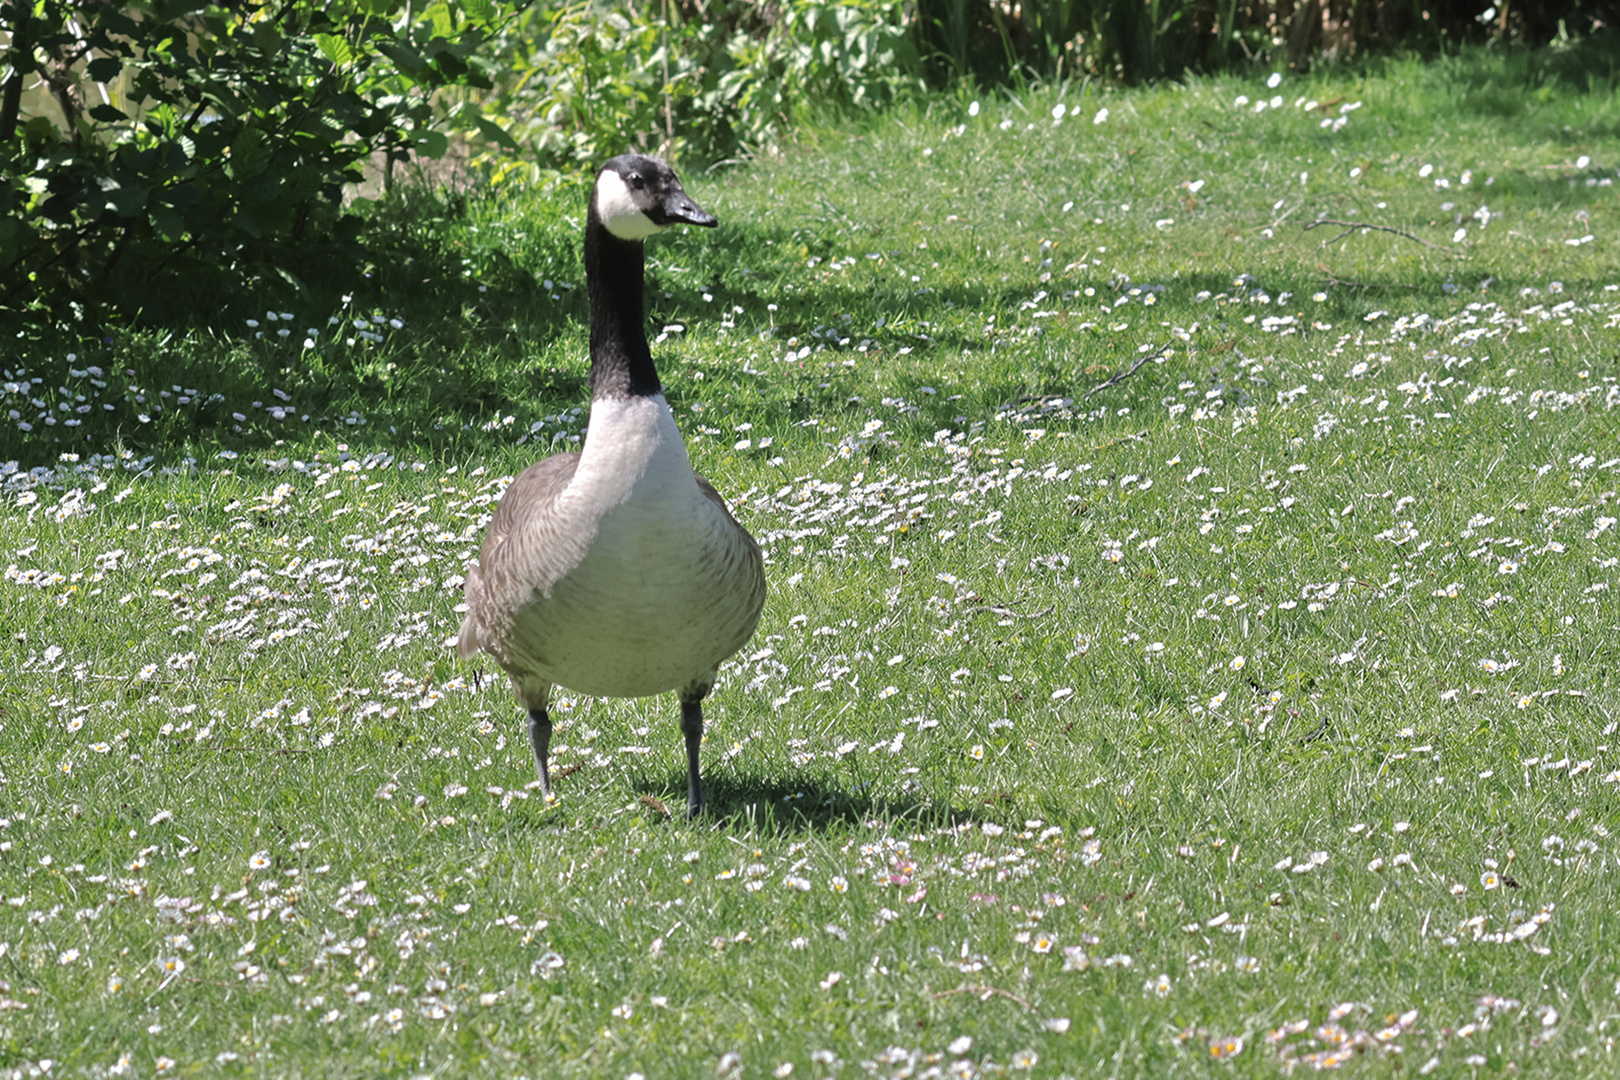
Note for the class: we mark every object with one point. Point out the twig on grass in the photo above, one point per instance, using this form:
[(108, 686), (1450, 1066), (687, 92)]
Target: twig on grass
[(166, 680), (278, 751), (1115, 380), (1010, 613), (1369, 284), (1140, 436), (984, 992), (1352, 226), (1041, 399)]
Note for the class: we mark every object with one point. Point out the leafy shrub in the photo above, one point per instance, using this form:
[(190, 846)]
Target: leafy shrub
[(583, 82), (205, 147)]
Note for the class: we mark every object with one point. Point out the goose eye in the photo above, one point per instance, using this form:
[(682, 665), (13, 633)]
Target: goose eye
[(637, 182)]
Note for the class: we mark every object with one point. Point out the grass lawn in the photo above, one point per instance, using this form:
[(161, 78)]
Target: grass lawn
[(1191, 647)]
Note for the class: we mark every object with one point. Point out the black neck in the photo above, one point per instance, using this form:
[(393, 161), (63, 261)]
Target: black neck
[(621, 362)]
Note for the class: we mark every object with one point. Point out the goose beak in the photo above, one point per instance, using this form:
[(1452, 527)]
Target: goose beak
[(679, 208)]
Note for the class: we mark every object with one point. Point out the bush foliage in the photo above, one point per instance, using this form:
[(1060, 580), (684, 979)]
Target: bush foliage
[(580, 82), (177, 152)]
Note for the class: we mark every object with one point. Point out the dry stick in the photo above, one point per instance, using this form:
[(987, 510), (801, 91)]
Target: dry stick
[(1370, 284), (999, 609), (278, 751), (1115, 380), (1352, 226), (984, 993), (1111, 443)]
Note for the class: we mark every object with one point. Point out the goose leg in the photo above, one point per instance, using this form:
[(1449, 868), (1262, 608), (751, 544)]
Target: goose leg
[(692, 728), (540, 741)]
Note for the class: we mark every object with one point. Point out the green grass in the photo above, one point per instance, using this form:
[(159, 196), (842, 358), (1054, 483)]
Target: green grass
[(1282, 668)]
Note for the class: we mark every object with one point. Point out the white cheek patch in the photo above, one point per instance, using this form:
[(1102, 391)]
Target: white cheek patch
[(616, 206)]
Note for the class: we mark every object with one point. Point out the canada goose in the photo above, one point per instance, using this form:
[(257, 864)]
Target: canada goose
[(617, 571)]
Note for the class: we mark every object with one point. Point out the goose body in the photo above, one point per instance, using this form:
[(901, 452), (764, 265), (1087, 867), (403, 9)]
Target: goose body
[(615, 574), (617, 571)]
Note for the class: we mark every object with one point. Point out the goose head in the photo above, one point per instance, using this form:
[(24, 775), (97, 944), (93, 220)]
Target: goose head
[(637, 196)]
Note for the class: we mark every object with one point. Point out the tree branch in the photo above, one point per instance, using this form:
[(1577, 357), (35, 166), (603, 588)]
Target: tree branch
[(1115, 380), (984, 993), (21, 60), (1369, 284), (1352, 226)]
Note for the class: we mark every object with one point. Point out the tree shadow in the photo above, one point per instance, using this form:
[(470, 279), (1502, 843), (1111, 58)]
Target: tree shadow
[(1584, 64), (1509, 83), (486, 341)]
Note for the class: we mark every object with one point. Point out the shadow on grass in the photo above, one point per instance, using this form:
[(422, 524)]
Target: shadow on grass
[(1509, 84), (491, 329), (442, 387), (769, 805)]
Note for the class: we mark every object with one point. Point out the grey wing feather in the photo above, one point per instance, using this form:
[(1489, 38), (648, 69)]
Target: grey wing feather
[(715, 497), (533, 493), (756, 562)]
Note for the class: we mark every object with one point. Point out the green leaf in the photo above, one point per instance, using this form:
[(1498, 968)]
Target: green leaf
[(480, 11), (432, 144), (14, 235), (291, 278), (409, 60), (268, 39), (103, 69), (335, 49), (127, 201), (449, 64), (441, 19), (108, 114), (41, 129), (167, 223), (495, 133), (250, 153)]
